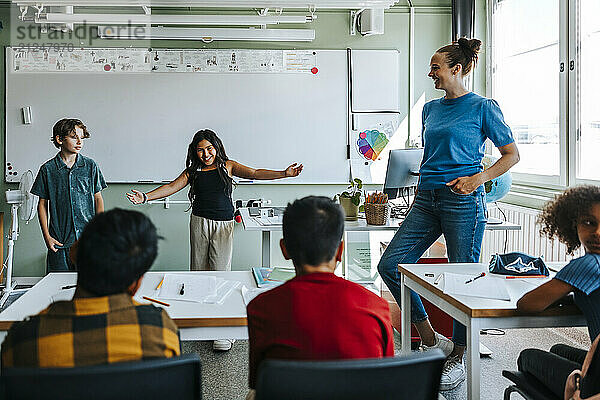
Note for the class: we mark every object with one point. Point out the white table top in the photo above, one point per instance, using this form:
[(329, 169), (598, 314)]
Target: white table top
[(253, 224), (478, 306), (185, 314)]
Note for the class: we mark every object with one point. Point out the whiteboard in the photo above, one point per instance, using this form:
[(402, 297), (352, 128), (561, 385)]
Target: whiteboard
[(375, 80), (142, 123)]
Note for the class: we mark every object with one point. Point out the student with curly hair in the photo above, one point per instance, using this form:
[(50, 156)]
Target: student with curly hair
[(573, 218)]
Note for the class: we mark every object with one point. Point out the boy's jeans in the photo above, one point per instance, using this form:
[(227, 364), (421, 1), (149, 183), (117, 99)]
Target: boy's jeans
[(59, 261), (460, 218)]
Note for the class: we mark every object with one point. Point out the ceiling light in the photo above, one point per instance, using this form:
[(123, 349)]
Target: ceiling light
[(207, 34), (143, 19), (272, 4)]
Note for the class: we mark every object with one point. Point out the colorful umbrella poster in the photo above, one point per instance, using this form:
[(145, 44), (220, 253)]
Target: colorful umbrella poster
[(370, 143)]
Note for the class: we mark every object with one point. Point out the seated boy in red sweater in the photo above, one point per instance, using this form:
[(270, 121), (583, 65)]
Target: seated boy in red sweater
[(317, 315)]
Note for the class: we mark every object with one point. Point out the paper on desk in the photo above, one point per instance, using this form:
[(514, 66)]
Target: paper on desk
[(487, 287), (196, 288), (276, 220), (250, 294), (258, 221), (63, 295), (224, 289)]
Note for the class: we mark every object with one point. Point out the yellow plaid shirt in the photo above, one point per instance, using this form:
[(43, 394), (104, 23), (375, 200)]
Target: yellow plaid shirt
[(91, 331)]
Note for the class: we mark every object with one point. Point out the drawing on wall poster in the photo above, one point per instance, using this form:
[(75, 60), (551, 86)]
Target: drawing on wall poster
[(371, 143)]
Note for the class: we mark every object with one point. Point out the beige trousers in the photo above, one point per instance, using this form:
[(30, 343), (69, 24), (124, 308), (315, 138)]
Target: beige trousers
[(211, 244)]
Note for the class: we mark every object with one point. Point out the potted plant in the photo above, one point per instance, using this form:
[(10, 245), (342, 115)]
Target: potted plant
[(349, 199)]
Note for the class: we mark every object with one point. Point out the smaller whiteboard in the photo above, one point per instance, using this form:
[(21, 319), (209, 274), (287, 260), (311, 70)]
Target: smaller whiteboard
[(375, 80)]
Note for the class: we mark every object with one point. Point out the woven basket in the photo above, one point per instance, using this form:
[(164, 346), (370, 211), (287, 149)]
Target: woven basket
[(377, 214)]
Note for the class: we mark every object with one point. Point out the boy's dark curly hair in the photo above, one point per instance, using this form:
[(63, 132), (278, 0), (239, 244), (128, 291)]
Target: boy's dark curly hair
[(560, 216)]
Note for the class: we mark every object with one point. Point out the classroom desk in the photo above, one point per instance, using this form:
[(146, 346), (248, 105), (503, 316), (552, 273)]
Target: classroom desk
[(251, 224), (477, 313), (196, 321)]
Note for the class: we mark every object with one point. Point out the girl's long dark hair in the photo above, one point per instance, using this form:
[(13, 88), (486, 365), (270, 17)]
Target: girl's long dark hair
[(193, 163)]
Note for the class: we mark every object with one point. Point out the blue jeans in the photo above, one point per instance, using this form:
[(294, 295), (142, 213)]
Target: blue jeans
[(460, 218), (59, 261)]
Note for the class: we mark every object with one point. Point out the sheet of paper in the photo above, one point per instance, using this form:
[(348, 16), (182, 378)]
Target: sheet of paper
[(258, 221), (195, 288), (487, 287), (250, 294), (224, 289), (276, 220), (62, 295)]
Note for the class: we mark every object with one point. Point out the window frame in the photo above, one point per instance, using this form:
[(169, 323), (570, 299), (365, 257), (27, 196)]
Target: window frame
[(575, 95), (569, 106)]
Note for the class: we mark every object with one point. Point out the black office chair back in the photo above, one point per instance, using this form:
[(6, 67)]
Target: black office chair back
[(416, 377), (157, 379)]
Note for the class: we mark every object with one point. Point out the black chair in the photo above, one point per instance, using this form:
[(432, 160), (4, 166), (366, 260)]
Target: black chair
[(416, 377), (157, 379), (527, 386)]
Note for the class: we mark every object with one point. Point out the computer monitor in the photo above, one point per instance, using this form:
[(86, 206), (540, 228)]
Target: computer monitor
[(402, 170)]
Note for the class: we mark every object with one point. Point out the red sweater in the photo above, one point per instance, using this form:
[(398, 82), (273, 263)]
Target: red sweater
[(318, 316)]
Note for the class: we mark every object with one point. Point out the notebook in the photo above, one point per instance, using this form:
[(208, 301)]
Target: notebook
[(264, 276)]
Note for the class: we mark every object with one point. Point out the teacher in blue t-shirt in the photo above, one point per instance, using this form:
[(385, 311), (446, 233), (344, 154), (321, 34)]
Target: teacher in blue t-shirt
[(450, 199)]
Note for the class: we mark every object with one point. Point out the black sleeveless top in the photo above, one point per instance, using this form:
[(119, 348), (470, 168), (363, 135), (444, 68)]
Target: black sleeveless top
[(210, 200)]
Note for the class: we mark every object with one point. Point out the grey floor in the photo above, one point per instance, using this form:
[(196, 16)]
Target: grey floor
[(225, 374)]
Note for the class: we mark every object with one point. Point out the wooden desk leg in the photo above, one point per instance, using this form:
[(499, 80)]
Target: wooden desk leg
[(405, 317), (266, 248), (473, 363)]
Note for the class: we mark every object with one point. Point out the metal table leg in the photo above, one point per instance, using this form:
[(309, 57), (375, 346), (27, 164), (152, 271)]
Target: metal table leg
[(473, 364), (266, 248), (405, 317)]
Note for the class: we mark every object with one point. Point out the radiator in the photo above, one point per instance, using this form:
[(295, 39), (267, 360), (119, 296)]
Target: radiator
[(528, 240)]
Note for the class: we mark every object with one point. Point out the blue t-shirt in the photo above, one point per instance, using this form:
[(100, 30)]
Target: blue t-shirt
[(70, 192), (454, 134), (583, 274)]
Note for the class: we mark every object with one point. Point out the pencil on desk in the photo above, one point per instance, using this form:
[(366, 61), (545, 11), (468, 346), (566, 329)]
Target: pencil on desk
[(525, 276), (160, 284), (156, 301), (68, 287)]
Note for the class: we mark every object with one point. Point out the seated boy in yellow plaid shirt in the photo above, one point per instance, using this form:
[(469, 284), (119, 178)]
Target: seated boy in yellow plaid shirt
[(102, 324)]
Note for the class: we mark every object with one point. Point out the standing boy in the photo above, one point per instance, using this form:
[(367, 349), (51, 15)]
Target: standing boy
[(69, 188), (317, 315)]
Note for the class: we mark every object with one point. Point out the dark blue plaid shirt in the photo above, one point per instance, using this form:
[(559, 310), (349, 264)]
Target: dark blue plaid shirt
[(70, 192)]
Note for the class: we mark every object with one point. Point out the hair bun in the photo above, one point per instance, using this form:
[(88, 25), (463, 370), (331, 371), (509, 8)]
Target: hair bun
[(470, 47)]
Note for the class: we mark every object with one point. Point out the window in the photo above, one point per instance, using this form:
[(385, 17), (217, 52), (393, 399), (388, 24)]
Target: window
[(544, 65), (588, 85), (525, 81)]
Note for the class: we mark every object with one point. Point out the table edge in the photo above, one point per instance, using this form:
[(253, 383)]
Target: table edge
[(489, 312)]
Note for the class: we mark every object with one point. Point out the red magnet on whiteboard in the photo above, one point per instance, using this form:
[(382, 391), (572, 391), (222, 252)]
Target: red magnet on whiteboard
[(107, 67), (314, 70)]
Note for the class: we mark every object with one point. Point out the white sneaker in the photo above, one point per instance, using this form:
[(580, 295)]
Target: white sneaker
[(223, 344), (452, 374), (442, 343)]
